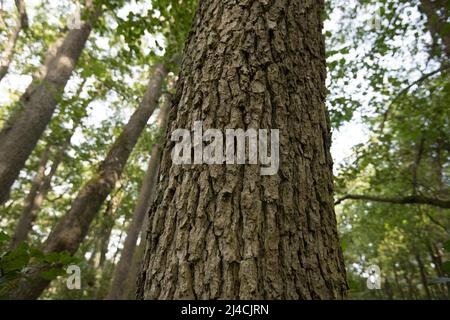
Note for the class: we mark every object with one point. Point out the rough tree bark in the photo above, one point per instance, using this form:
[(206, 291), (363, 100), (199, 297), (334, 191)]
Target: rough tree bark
[(73, 227), (8, 52), (123, 272), (225, 231), (22, 131)]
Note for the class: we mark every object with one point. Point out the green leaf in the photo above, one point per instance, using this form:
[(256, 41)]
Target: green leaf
[(65, 258), (446, 266), (344, 245), (52, 257), (3, 237), (16, 259), (447, 246), (52, 274)]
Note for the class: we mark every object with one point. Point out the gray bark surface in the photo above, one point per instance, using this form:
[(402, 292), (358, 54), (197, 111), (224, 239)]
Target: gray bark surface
[(225, 231)]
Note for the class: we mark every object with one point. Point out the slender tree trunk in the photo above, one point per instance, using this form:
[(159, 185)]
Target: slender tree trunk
[(123, 272), (388, 290), (416, 165), (135, 268), (225, 231), (38, 193), (437, 260), (104, 234), (26, 217), (398, 285), (437, 13), (423, 276), (411, 291), (73, 227), (102, 244), (8, 52), (22, 131), (413, 294)]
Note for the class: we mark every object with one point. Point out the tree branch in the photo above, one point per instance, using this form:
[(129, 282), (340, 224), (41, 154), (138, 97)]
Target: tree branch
[(406, 89), (414, 199)]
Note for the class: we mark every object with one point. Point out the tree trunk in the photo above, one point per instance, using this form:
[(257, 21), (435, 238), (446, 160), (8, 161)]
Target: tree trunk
[(388, 290), (423, 275), (135, 268), (8, 52), (225, 231), (437, 260), (411, 292), (103, 237), (409, 274), (23, 129), (123, 271), (38, 193), (398, 285), (71, 230), (27, 217), (104, 233)]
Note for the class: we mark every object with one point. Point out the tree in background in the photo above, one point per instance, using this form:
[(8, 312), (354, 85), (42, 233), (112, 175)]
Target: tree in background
[(125, 274), (21, 24), (393, 192), (35, 109), (73, 227)]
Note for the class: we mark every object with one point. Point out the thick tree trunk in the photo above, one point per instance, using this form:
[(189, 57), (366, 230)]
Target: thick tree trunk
[(71, 230), (8, 52), (22, 131), (225, 231), (124, 269)]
